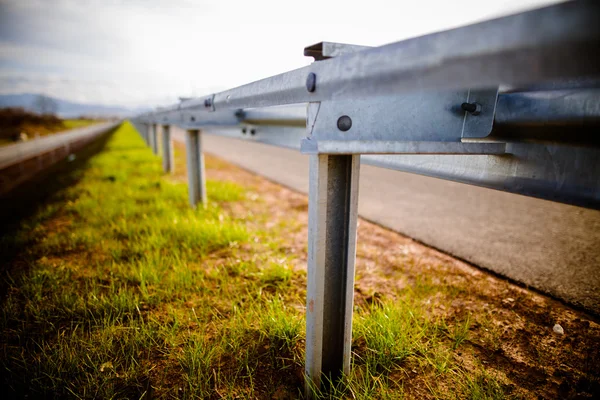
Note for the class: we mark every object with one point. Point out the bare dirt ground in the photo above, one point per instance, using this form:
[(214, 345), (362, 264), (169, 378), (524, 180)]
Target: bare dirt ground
[(512, 329)]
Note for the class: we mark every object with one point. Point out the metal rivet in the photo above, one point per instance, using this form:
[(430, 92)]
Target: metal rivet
[(311, 82), (344, 123), (253, 131), (471, 108)]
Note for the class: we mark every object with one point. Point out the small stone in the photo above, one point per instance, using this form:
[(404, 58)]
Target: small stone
[(558, 329)]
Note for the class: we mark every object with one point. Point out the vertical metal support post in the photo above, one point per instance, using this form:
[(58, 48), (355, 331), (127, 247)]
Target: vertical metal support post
[(332, 220), (148, 134), (145, 133), (195, 167), (154, 139), (168, 161)]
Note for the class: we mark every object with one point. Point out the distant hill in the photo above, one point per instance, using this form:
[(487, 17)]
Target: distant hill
[(68, 109)]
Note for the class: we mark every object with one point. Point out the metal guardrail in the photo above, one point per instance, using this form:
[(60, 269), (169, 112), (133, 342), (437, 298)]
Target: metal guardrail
[(20, 161), (511, 104)]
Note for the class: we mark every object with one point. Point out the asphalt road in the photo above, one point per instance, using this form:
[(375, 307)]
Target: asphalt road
[(549, 246)]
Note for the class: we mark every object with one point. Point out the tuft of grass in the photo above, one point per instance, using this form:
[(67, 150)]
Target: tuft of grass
[(482, 385), (391, 333), (276, 274), (222, 191), (198, 359), (491, 333), (460, 333), (282, 327)]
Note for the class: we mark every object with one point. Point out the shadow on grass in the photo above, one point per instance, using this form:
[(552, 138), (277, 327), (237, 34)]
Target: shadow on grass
[(23, 202)]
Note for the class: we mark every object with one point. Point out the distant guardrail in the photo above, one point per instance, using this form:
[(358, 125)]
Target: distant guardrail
[(21, 161), (511, 104)]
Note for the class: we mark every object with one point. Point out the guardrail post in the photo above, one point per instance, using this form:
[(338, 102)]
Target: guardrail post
[(148, 135), (168, 163), (195, 167), (144, 132), (332, 220), (154, 139)]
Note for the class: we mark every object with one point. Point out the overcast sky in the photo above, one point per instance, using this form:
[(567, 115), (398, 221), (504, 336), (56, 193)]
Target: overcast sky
[(148, 52)]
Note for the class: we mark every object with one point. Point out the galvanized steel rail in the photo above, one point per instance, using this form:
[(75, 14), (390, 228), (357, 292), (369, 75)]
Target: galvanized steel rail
[(511, 104)]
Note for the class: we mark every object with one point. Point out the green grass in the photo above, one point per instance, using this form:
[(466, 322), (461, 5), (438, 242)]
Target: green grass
[(483, 385), (123, 291)]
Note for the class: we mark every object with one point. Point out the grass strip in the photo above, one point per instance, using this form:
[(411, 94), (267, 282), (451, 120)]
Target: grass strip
[(119, 290)]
